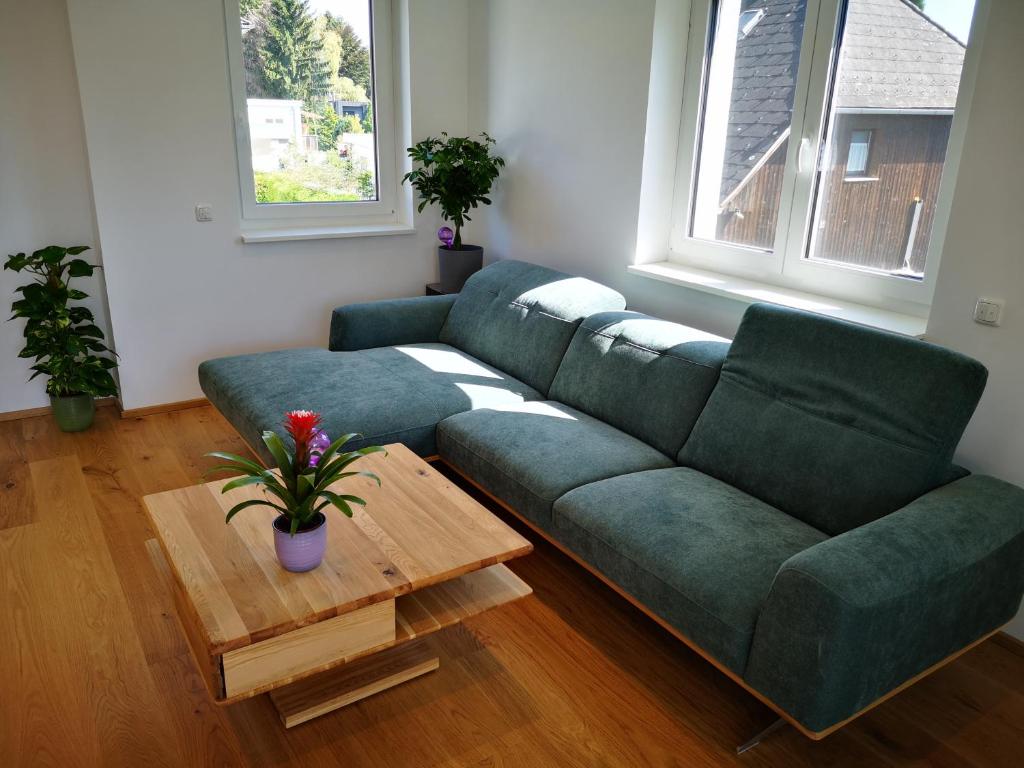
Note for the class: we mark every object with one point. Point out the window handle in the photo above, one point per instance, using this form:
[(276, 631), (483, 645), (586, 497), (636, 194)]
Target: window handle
[(805, 144)]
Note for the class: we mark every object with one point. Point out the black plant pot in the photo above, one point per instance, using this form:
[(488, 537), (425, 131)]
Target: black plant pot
[(456, 266)]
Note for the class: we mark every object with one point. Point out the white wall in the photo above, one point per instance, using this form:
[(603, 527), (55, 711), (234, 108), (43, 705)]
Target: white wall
[(983, 255), (45, 197), (562, 85), (155, 94)]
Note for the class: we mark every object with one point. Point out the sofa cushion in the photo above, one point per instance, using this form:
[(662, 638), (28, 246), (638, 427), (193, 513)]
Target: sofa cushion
[(648, 377), (388, 394), (699, 553), (835, 423), (530, 454), (521, 317)]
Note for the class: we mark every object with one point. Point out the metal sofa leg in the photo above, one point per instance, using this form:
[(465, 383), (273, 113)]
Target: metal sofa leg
[(759, 737)]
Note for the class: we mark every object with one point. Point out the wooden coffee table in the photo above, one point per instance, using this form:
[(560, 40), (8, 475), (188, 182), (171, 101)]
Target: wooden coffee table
[(423, 555)]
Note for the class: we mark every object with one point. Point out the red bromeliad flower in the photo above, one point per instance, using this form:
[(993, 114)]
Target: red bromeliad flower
[(301, 426)]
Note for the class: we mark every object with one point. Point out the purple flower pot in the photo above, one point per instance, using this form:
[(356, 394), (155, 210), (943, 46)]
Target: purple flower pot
[(304, 550)]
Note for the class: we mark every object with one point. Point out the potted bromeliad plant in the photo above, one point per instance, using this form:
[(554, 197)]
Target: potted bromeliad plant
[(301, 487), (63, 340), (457, 174)]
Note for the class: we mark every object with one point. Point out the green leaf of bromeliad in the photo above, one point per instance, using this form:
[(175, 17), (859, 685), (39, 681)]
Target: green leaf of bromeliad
[(343, 460), (337, 501), (239, 482), (250, 466), (280, 453), (252, 503), (333, 448), (343, 475)]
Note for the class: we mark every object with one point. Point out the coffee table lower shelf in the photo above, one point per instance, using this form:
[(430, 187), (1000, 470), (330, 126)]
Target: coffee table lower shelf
[(311, 689), (317, 695)]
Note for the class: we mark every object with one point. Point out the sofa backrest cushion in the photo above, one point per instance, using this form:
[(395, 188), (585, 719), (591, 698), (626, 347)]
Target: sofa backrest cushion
[(520, 317), (648, 377), (835, 423)]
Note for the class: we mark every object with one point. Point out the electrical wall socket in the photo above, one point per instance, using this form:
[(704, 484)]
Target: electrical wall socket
[(988, 311), (204, 212)]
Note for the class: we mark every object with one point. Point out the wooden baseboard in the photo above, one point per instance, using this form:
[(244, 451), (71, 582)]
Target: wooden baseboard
[(149, 410), (129, 413), (28, 413), (1000, 637)]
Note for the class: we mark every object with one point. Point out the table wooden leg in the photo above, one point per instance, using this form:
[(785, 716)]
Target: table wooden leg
[(306, 699)]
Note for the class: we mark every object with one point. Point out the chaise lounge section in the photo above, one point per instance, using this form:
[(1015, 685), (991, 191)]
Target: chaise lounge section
[(786, 504), (394, 369)]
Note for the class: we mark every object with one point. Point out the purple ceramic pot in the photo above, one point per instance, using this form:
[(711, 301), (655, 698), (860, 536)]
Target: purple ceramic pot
[(304, 550)]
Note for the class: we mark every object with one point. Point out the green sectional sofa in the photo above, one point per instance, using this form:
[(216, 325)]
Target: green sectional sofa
[(785, 503)]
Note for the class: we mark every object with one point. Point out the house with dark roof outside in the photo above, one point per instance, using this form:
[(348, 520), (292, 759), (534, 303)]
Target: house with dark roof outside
[(895, 92)]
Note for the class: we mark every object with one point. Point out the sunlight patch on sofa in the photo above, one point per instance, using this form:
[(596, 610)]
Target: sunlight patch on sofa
[(482, 396), (443, 361), (536, 408)]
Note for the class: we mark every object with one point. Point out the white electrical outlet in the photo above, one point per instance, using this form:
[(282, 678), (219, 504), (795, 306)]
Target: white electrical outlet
[(204, 212), (988, 311)]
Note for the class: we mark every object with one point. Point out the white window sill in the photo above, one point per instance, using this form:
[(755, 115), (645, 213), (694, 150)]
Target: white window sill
[(282, 234), (750, 291)]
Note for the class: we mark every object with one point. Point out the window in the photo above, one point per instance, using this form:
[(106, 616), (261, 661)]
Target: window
[(788, 101), (748, 111), (749, 19), (857, 154), (313, 102)]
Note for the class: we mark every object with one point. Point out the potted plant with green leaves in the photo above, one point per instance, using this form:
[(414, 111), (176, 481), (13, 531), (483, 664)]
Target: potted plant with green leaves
[(456, 173), (63, 339), (301, 487)]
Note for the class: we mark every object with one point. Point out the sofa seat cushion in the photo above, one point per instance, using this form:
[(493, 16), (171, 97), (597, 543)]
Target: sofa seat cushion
[(530, 454), (697, 552), (388, 394)]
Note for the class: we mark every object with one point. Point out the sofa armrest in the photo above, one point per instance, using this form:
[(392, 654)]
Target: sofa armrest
[(852, 618), (388, 322)]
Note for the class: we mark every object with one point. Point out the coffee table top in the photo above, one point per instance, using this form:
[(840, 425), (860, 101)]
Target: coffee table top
[(417, 529)]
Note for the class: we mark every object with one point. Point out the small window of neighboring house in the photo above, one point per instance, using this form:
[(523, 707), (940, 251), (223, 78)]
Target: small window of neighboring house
[(749, 20), (860, 150)]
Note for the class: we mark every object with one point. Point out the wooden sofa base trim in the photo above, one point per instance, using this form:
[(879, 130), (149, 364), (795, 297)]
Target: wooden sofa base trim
[(814, 735), (1009, 642)]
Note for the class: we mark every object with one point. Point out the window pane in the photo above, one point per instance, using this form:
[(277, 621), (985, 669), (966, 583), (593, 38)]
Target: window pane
[(748, 108), (896, 84), (309, 89), (857, 157)]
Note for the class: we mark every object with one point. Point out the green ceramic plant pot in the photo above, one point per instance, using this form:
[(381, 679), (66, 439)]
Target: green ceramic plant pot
[(74, 413)]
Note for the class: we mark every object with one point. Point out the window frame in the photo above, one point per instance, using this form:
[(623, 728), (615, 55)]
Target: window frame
[(382, 211), (788, 264)]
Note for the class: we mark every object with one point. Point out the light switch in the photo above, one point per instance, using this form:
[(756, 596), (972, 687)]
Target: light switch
[(204, 212), (988, 311)]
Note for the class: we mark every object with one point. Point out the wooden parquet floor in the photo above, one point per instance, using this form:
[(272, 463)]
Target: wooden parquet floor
[(94, 670)]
